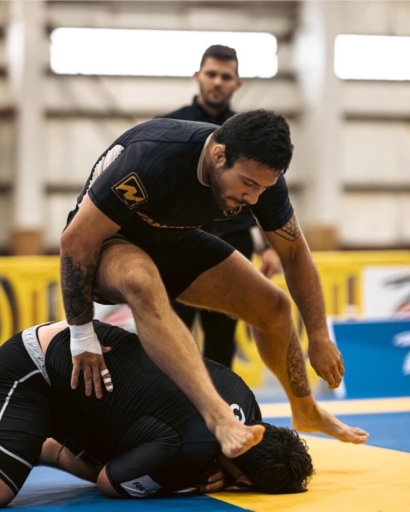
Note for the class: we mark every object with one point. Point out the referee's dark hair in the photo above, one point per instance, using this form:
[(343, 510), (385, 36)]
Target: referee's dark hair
[(259, 135), (279, 464), (220, 52)]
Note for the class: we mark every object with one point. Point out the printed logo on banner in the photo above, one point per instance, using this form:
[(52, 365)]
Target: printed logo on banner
[(403, 340), (131, 191)]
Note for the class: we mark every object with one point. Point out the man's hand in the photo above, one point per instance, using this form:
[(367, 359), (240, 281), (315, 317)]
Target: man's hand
[(212, 481), (87, 357), (270, 263), (327, 361), (94, 369)]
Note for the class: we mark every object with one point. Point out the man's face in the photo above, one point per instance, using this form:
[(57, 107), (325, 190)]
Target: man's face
[(242, 184), (217, 80)]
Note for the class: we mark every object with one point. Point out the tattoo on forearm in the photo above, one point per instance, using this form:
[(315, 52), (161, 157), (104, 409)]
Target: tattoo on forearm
[(295, 365), (289, 231), (77, 282)]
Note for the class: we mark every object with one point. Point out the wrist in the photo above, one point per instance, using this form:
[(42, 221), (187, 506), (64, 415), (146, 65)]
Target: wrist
[(81, 332), (83, 339)]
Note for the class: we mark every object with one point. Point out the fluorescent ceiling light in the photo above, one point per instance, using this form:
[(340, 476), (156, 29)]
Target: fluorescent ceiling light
[(94, 51), (361, 57)]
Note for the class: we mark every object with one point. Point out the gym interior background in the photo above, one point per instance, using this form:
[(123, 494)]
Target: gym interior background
[(348, 104)]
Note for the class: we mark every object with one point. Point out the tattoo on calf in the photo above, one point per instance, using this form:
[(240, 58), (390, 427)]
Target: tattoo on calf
[(290, 231), (77, 281), (295, 365)]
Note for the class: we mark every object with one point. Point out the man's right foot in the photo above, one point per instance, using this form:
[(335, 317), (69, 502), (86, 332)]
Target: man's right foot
[(236, 438)]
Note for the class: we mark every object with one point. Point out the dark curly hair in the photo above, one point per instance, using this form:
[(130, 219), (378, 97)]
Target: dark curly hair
[(259, 135), (279, 464)]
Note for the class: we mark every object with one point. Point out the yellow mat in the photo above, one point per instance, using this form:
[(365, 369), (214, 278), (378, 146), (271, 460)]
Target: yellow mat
[(348, 479)]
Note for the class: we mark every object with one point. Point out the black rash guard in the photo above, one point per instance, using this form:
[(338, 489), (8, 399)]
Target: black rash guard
[(149, 182), (150, 434)]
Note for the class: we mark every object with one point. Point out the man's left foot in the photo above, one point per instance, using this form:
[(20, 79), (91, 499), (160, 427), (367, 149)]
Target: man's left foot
[(323, 422)]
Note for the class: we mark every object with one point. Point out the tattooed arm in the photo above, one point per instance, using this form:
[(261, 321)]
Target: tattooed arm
[(304, 285), (79, 252)]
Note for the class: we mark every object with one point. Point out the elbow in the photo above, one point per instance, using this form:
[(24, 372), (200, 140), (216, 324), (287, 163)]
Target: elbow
[(77, 243)]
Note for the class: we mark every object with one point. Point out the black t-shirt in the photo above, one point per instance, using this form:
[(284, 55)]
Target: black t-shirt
[(243, 221), (150, 431), (147, 182), (195, 112)]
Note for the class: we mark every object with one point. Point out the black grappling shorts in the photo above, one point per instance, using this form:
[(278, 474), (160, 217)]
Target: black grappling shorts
[(25, 410)]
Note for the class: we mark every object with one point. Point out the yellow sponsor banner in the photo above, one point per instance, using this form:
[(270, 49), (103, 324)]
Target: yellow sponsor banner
[(30, 294)]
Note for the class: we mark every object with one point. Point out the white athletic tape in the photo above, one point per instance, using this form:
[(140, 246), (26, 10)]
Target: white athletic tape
[(84, 339), (104, 372), (109, 388), (107, 380)]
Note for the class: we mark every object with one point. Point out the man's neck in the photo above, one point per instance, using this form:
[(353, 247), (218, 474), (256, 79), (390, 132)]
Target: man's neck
[(211, 111)]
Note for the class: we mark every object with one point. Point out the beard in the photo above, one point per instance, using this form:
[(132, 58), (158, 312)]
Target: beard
[(217, 188), (221, 104)]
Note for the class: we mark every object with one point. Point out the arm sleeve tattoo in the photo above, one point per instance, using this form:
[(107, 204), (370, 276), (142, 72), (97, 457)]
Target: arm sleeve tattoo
[(77, 282), (290, 231)]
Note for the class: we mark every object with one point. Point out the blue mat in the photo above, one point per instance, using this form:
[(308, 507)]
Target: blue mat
[(50, 490), (387, 430)]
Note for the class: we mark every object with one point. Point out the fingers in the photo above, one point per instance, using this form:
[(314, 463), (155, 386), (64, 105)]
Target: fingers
[(215, 477), (215, 483), (97, 380), (75, 374), (94, 370), (105, 374)]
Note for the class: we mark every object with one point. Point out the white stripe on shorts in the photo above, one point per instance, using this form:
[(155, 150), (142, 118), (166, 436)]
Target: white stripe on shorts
[(10, 481), (16, 457)]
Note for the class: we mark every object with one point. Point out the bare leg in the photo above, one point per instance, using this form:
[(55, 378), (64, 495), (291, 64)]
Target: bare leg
[(127, 274), (235, 287), (54, 455), (6, 494)]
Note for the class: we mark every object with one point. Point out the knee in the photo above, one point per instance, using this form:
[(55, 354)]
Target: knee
[(6, 494), (143, 284), (277, 310)]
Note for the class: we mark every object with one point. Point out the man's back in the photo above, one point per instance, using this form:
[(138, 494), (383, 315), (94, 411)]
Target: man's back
[(146, 410)]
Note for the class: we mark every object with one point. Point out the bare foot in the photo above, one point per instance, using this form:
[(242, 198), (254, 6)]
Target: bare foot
[(236, 438), (322, 421)]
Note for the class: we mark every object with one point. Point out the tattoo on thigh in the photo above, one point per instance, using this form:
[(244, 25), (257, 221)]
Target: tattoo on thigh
[(290, 231), (77, 282), (295, 365)]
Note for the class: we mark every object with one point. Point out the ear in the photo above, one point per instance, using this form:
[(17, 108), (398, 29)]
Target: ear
[(219, 153), (239, 83), (195, 76)]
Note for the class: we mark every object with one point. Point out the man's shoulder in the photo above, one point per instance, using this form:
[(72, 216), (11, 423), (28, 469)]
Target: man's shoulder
[(184, 114), (166, 130)]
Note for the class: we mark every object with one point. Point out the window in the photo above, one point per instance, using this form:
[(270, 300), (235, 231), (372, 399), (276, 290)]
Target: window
[(94, 51), (361, 57)]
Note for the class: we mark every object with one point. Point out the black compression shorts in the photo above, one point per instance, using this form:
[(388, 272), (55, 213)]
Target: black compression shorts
[(181, 261), (25, 418)]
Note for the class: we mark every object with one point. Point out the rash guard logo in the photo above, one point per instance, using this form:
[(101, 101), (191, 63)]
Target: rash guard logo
[(141, 487), (238, 412), (131, 191)]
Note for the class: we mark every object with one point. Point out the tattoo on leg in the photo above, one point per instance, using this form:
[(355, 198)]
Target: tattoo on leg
[(290, 231), (77, 281), (295, 365)]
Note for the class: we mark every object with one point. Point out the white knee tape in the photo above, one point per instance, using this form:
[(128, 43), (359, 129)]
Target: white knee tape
[(84, 339)]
